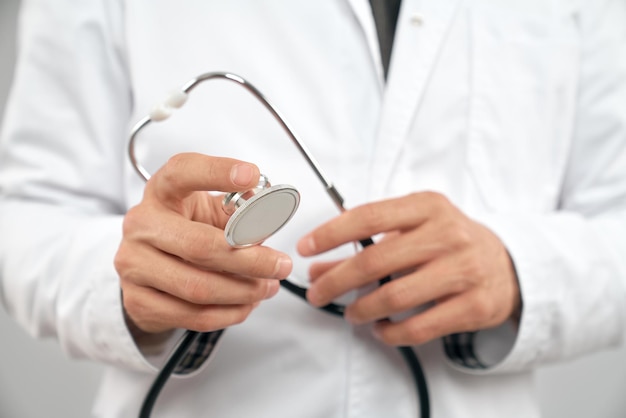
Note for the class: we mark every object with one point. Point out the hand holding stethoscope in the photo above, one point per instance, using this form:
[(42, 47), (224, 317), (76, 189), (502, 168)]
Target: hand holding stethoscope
[(176, 268), (450, 259), (187, 276), (191, 277)]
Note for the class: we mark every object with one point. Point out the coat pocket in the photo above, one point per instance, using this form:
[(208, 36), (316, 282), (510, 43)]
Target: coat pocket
[(523, 77)]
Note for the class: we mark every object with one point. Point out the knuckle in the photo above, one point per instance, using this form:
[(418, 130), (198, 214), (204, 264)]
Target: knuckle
[(371, 262), (213, 171), (200, 323), (204, 321), (132, 221), (197, 291), (262, 264), (175, 164), (130, 301), (417, 334), (254, 291), (473, 269), (134, 306), (241, 314), (455, 233), (462, 237), (170, 172), (370, 217), (458, 284), (199, 248), (125, 266), (415, 199), (121, 261), (396, 296), (438, 201), (482, 311)]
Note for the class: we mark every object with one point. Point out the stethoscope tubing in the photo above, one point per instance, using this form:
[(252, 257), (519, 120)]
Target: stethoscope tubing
[(408, 353)]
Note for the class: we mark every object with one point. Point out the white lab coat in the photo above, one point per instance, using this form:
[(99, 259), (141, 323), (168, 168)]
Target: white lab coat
[(514, 110)]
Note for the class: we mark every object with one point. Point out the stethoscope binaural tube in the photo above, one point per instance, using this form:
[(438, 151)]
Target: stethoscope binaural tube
[(161, 112), (178, 99)]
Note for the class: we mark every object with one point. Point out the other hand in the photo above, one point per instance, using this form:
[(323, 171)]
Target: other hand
[(455, 263)]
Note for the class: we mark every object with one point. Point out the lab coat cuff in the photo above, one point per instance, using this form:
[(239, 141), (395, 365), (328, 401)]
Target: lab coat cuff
[(115, 340), (512, 346), (111, 337)]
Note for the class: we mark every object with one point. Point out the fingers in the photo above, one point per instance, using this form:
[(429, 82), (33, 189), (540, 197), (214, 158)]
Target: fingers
[(404, 251), (154, 311), (318, 269), (200, 244), (452, 261), (465, 313), (188, 282), (433, 281), (371, 219), (162, 292), (184, 174)]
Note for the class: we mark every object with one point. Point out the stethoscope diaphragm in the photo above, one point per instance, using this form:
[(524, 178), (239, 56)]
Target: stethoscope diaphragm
[(254, 216), (257, 214)]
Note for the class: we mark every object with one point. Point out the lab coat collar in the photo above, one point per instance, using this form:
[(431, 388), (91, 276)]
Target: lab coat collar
[(439, 14), (363, 13), (420, 34)]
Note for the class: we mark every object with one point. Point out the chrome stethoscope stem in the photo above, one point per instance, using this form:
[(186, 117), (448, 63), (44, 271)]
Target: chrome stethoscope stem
[(176, 101), (139, 168), (190, 85)]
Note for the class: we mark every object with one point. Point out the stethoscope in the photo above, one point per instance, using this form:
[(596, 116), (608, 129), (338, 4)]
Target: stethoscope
[(274, 205)]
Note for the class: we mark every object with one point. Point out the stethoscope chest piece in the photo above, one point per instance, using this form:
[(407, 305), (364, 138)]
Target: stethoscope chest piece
[(254, 216), (257, 214)]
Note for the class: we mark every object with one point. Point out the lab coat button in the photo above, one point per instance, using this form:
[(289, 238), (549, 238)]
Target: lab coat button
[(417, 19)]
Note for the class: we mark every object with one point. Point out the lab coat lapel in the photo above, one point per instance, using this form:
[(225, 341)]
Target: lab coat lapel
[(363, 14), (421, 32)]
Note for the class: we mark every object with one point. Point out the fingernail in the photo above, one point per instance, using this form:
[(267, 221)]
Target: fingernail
[(306, 246), (283, 267), (241, 174)]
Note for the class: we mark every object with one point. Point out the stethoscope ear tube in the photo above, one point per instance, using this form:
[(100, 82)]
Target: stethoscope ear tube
[(164, 110), (176, 100)]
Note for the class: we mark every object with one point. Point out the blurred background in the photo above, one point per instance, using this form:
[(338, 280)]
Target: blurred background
[(38, 380)]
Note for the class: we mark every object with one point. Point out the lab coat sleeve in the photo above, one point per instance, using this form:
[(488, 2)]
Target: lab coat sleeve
[(61, 160), (571, 264)]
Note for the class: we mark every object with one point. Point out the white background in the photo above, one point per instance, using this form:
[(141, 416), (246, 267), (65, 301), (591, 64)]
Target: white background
[(38, 380)]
